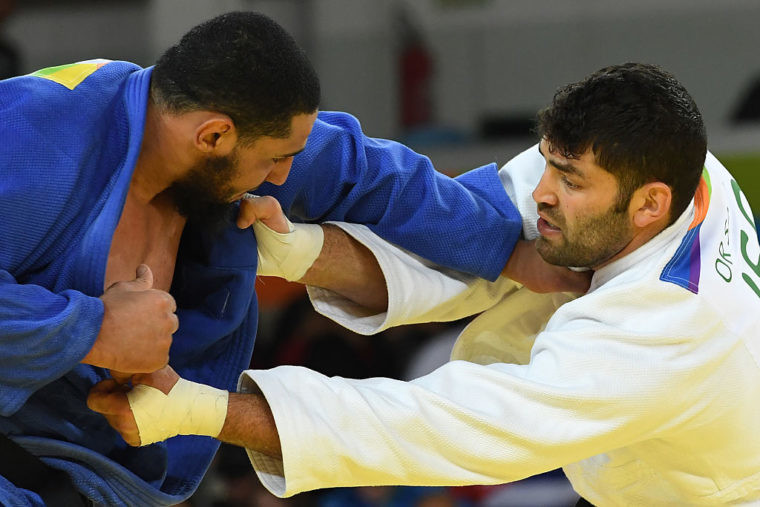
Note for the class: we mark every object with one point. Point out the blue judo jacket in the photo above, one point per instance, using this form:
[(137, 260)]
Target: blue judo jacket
[(70, 139)]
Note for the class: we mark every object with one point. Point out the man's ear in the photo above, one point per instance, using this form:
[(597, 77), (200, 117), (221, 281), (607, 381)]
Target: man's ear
[(216, 135), (651, 203)]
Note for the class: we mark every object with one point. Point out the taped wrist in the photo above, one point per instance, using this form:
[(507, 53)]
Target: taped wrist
[(288, 255), (188, 409)]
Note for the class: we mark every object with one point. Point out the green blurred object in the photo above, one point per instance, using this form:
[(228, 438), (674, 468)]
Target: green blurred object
[(745, 168)]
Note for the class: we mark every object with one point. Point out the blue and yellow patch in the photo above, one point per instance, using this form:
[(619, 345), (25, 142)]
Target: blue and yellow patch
[(70, 75)]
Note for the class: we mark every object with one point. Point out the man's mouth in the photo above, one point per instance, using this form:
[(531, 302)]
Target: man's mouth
[(546, 228)]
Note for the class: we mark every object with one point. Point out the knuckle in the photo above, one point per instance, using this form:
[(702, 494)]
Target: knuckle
[(165, 343), (169, 326), (118, 287), (167, 301), (271, 204), (159, 300)]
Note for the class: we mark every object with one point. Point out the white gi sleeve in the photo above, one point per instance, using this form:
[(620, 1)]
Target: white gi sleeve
[(418, 291), (464, 423), (447, 295)]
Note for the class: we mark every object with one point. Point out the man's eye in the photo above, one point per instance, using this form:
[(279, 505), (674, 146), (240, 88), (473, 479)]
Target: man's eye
[(569, 184), (277, 160)]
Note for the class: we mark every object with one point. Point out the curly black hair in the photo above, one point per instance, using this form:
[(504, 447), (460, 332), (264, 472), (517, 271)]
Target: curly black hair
[(640, 123), (242, 64)]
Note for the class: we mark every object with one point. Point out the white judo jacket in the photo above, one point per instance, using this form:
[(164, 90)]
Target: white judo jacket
[(646, 390)]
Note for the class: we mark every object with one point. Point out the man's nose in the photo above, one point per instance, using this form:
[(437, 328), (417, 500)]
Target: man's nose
[(544, 191), (279, 174)]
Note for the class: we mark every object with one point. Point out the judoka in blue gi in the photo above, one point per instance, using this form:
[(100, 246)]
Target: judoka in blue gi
[(119, 188)]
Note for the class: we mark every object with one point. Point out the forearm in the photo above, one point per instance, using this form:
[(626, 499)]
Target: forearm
[(161, 405), (250, 424), (44, 335), (526, 267), (318, 255), (348, 268), (466, 223)]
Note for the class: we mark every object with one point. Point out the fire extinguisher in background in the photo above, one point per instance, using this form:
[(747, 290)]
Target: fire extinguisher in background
[(415, 75)]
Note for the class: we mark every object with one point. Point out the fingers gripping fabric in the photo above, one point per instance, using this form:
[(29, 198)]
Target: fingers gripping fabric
[(288, 255), (188, 409)]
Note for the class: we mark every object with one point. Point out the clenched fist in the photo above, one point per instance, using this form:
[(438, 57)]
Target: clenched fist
[(138, 323)]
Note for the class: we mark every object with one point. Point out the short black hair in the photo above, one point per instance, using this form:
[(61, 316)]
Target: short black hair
[(242, 64), (641, 124)]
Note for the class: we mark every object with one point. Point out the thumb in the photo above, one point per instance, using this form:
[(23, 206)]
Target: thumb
[(144, 277), (121, 377), (143, 281), (265, 209), (106, 396)]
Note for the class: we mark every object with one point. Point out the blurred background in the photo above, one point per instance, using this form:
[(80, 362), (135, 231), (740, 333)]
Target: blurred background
[(458, 80)]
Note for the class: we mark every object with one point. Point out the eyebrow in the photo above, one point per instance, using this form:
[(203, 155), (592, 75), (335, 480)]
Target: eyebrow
[(566, 168), (291, 154)]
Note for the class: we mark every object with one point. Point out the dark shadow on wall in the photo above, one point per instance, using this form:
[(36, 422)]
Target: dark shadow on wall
[(10, 58), (748, 108)]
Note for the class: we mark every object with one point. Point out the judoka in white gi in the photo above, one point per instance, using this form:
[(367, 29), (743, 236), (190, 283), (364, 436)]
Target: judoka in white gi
[(646, 389)]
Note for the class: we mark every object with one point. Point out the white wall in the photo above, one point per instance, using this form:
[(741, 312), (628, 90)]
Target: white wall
[(491, 56), (57, 33), (354, 55), (511, 55)]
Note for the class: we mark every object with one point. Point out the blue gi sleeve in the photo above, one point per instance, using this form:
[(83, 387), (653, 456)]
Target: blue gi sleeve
[(466, 223), (44, 335)]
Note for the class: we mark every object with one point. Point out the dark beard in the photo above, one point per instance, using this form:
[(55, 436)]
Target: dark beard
[(594, 240), (202, 194)]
